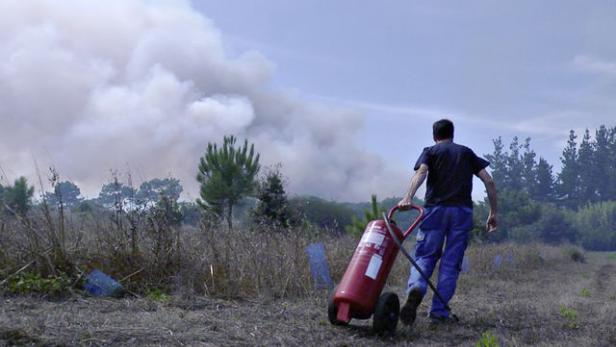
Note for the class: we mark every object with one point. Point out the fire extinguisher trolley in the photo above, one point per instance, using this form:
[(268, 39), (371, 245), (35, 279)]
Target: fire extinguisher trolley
[(358, 295)]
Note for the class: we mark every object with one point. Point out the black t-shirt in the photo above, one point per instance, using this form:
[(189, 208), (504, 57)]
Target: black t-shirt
[(450, 173)]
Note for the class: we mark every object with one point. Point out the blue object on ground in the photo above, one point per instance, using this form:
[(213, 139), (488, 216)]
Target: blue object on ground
[(498, 261), (318, 266), (466, 265), (510, 259), (100, 284)]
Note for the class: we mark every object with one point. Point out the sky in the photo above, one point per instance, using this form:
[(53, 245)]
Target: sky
[(341, 93)]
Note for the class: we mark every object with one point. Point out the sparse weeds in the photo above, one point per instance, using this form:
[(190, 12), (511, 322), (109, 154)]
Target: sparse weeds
[(157, 295), (585, 293), (487, 339), (570, 315)]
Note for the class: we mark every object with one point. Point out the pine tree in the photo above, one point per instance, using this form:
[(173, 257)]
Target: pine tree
[(544, 188), (226, 175), (115, 194), (67, 193), (150, 192), (601, 164), (568, 180), (529, 170), (612, 164), (515, 166), (586, 171), (18, 198), (498, 163), (358, 225), (273, 206)]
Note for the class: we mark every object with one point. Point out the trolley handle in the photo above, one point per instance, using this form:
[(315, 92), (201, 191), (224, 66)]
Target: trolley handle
[(413, 225)]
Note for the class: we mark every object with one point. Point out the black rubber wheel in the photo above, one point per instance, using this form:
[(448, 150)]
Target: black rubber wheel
[(332, 310), (386, 313)]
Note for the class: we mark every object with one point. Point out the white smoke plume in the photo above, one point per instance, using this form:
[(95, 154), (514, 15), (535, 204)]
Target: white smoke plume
[(89, 86)]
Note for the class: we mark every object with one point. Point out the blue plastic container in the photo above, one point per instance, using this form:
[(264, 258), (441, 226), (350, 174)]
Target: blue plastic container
[(318, 266), (100, 284)]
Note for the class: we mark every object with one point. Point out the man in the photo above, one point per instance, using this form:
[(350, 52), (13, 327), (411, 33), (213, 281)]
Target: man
[(449, 217)]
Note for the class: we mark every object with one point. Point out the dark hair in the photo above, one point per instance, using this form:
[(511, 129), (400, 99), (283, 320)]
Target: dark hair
[(442, 130)]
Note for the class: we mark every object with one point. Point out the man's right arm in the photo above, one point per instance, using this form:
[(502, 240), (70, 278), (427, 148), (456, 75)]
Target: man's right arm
[(487, 180), (416, 181)]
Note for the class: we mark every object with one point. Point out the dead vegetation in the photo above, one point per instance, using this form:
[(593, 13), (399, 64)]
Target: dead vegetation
[(519, 307), (145, 250), (210, 286)]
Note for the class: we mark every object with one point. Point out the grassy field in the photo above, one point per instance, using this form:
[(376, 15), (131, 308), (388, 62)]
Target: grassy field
[(543, 298)]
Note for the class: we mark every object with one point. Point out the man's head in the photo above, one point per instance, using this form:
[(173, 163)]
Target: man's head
[(442, 130)]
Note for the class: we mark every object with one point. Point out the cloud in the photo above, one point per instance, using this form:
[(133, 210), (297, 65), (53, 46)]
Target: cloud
[(89, 87), (595, 65)]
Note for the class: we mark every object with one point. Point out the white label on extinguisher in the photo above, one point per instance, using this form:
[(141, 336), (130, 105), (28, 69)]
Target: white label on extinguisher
[(373, 237), (374, 266)]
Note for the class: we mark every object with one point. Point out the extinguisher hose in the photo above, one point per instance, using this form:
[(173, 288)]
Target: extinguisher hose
[(419, 269)]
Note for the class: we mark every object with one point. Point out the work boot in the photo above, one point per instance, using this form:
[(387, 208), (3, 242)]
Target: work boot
[(436, 319), (409, 310)]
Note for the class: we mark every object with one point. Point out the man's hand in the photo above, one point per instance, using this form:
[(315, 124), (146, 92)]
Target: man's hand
[(405, 204), (491, 223)]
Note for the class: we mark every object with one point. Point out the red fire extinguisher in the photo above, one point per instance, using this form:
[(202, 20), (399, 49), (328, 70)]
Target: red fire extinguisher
[(358, 295)]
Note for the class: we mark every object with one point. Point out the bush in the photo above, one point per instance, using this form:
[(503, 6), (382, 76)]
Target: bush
[(157, 295), (487, 340), (576, 254), (554, 226), (516, 210), (34, 283), (597, 226), (329, 215), (570, 316), (524, 234)]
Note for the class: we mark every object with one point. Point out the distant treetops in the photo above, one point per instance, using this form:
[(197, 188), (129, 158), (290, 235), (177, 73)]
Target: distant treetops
[(588, 171)]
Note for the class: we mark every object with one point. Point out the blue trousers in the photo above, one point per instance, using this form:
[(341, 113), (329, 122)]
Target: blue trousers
[(443, 225)]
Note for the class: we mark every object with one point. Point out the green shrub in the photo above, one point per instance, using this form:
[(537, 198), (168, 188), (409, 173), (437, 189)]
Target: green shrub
[(487, 339), (555, 225), (517, 210), (585, 292), (570, 316), (33, 283), (523, 234), (357, 226), (597, 224), (157, 295)]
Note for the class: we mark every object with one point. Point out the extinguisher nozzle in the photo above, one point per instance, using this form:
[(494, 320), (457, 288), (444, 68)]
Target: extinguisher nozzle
[(344, 312)]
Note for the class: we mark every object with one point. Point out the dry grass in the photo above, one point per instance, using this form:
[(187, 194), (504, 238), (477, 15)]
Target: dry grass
[(145, 251), (521, 308), (254, 287)]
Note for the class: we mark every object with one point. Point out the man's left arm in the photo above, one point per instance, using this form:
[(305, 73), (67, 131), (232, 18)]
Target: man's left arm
[(416, 181)]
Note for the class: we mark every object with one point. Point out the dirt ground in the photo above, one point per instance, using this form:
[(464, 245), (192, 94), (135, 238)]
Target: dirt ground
[(559, 304)]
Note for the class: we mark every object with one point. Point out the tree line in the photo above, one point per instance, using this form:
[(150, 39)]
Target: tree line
[(588, 169), (577, 204)]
